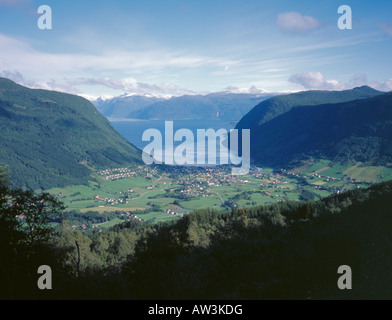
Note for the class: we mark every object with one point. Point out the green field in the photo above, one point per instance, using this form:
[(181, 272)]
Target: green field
[(359, 171), (207, 202), (150, 194)]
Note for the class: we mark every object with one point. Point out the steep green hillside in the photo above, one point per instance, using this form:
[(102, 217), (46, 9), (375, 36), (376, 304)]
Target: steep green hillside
[(47, 138), (359, 130), (275, 106)]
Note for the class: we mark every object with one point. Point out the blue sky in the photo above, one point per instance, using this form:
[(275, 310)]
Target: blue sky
[(175, 47)]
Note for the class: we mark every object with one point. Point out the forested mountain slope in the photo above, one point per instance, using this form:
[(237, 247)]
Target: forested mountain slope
[(357, 130), (47, 135)]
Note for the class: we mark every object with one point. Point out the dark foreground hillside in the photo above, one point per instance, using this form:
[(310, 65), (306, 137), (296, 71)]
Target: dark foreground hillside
[(48, 137), (290, 250)]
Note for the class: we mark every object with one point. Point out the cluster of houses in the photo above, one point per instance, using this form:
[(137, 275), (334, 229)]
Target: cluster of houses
[(194, 191), (326, 179), (115, 174), (132, 216), (111, 201), (120, 173), (173, 212), (209, 176)]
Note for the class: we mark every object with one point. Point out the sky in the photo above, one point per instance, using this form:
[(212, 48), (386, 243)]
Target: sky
[(176, 47)]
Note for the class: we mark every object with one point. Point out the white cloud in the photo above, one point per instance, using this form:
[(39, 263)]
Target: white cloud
[(360, 79), (13, 75), (128, 85), (315, 80), (294, 22), (131, 85), (388, 85), (67, 70), (251, 90)]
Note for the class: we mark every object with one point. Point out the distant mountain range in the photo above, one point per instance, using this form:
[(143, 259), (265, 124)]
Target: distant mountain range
[(125, 105), (215, 106), (351, 125), (51, 139)]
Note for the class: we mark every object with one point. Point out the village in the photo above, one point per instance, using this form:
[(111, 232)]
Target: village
[(195, 182), (157, 193)]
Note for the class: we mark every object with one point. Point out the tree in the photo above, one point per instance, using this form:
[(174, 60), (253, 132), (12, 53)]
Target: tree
[(8, 222), (36, 211), (24, 230)]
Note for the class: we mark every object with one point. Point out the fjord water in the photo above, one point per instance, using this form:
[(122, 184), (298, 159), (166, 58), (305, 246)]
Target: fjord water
[(132, 130)]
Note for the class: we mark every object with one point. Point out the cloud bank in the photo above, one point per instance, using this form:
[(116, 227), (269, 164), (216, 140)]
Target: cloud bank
[(131, 85), (128, 85), (111, 69), (317, 81)]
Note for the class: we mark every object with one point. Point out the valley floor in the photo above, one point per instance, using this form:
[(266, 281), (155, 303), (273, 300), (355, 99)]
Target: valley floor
[(154, 193)]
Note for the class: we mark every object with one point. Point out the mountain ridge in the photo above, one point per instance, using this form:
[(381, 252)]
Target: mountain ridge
[(356, 130), (48, 135), (214, 106), (280, 104)]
